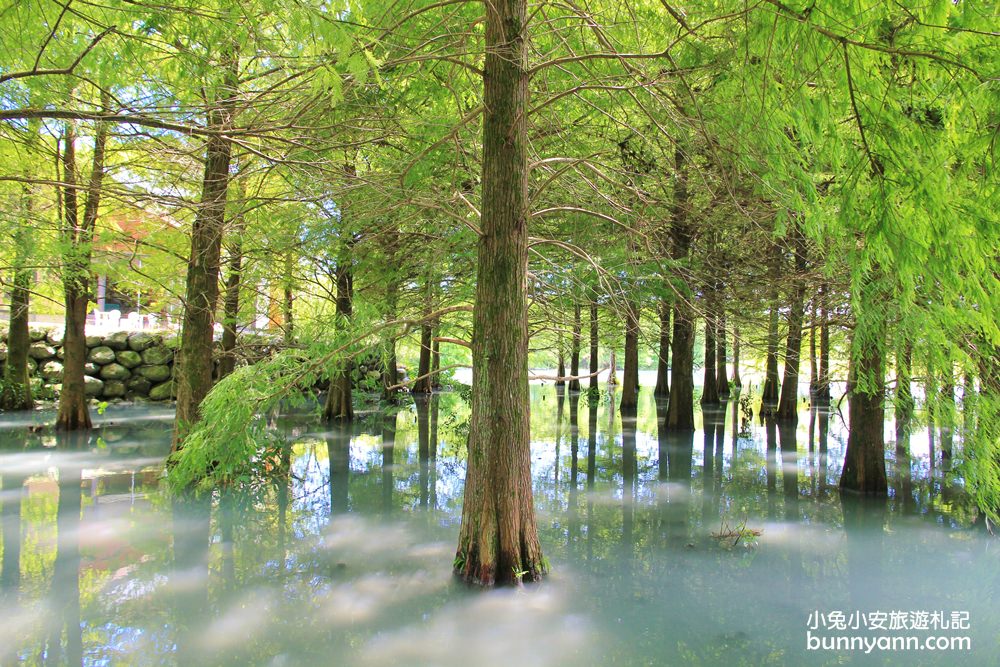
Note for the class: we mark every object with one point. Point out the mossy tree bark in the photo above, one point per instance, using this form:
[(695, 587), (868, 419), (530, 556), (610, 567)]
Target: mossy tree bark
[(15, 389), (788, 402), (339, 405), (78, 236), (498, 542), (193, 375), (662, 388), (574, 357), (680, 410), (231, 301)]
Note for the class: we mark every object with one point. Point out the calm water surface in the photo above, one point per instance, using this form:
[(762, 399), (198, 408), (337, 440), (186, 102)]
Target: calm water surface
[(347, 559)]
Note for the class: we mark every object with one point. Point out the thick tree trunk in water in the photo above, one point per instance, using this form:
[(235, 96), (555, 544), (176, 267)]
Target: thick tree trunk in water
[(498, 543), (737, 380), (788, 403), (710, 390), (630, 381), (721, 377), (73, 413), (15, 389), (338, 400), (423, 383), (193, 373), (864, 463), (574, 359), (662, 388), (593, 343), (770, 392), (680, 410)]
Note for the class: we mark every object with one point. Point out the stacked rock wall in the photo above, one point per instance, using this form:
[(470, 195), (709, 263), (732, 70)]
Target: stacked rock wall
[(121, 365)]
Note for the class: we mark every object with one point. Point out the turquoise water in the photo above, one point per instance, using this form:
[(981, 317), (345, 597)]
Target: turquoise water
[(347, 559)]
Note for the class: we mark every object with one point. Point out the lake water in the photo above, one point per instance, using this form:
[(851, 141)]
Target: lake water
[(347, 559)]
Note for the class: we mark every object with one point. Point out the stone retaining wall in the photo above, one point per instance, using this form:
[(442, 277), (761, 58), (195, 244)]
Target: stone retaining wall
[(121, 365)]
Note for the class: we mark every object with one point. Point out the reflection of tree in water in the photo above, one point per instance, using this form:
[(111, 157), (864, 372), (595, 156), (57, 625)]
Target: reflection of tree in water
[(65, 642)]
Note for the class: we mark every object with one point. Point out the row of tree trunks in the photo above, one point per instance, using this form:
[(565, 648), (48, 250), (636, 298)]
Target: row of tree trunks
[(680, 409), (498, 541), (789, 400), (78, 236)]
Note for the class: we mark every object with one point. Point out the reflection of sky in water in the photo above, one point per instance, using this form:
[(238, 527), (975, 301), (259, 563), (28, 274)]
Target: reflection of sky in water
[(359, 572)]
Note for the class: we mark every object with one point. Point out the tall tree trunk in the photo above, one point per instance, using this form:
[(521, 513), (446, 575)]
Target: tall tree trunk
[(864, 462), (193, 372), (15, 388), (390, 377), (498, 542), (710, 390), (338, 399), (593, 342), (574, 359), (231, 304), (423, 383), (737, 380), (662, 388), (823, 386), (721, 377), (904, 396), (680, 410), (561, 362), (770, 391), (813, 365), (630, 381), (78, 236), (288, 301), (436, 362), (788, 403)]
